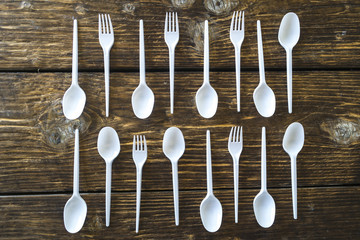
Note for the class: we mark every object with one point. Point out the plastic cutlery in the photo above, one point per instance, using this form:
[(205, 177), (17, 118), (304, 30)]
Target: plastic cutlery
[(74, 98), (139, 156), (171, 33), (289, 34), (237, 34), (210, 209), (173, 148), (142, 99), (75, 208), (264, 204), (293, 142), (106, 38), (264, 97), (235, 146), (206, 96), (108, 145)]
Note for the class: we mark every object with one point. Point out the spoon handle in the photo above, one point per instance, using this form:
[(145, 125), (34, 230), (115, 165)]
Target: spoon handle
[(175, 191), (108, 192), (289, 78), (294, 185), (260, 53), (263, 159), (142, 53), (75, 54), (206, 52), (208, 163), (76, 163), (138, 196)]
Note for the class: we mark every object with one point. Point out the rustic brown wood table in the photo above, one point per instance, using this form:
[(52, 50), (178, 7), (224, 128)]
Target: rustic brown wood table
[(36, 141)]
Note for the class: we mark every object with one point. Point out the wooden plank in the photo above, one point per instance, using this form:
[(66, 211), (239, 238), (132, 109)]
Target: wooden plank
[(38, 34), (324, 213), (36, 141)]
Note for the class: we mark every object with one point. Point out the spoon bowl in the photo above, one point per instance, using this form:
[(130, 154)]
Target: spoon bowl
[(142, 101), (206, 101), (211, 213), (75, 213), (173, 148), (264, 99), (264, 209), (289, 31), (108, 144), (294, 138)]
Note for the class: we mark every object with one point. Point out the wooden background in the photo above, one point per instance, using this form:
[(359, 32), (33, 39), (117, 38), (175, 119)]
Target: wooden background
[(36, 141)]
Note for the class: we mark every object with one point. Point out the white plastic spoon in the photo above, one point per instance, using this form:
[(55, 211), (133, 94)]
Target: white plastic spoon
[(75, 208), (206, 96), (210, 208), (289, 34), (142, 99), (264, 97), (293, 142), (264, 204), (74, 98), (108, 145), (173, 148)]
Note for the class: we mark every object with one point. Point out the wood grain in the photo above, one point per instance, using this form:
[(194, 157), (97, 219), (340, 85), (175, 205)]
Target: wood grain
[(36, 140), (324, 213), (37, 35)]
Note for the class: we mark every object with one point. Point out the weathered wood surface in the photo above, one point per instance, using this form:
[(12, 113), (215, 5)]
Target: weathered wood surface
[(37, 141), (38, 34), (324, 213)]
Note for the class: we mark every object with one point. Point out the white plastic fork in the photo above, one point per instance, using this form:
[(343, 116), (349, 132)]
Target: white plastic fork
[(106, 39), (139, 156), (171, 33), (235, 146), (237, 34)]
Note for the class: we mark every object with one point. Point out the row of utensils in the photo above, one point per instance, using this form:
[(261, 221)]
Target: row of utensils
[(206, 97), (108, 145)]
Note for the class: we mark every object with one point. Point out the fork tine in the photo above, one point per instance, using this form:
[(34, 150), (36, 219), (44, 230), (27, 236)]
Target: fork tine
[(99, 25), (169, 21), (177, 23), (237, 134), (240, 17), (166, 22), (134, 144), (243, 21), (173, 22), (232, 22), (236, 20), (107, 23), (241, 136), (110, 25), (230, 135), (103, 24), (141, 143), (145, 146), (137, 142)]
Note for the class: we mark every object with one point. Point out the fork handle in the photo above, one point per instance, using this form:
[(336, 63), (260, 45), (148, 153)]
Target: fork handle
[(171, 66), (107, 80), (138, 196), (237, 68), (175, 191), (236, 187), (108, 192)]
